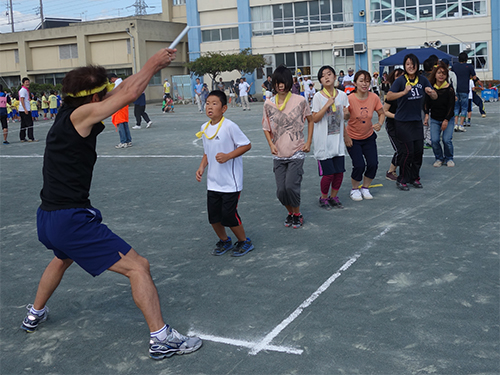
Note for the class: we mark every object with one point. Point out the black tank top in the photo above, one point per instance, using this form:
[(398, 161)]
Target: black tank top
[(68, 164)]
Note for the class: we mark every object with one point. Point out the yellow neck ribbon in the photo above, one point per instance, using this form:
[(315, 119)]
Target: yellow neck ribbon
[(109, 86), (200, 133), (408, 82), (334, 95), (282, 107), (440, 87)]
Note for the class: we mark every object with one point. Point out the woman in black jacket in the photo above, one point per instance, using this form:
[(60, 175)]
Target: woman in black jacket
[(441, 111)]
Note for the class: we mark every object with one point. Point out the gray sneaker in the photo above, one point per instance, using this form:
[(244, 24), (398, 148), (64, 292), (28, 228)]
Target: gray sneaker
[(31, 322), (175, 343)]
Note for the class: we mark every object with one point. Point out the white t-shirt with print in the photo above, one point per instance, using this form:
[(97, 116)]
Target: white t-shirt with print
[(328, 136), (226, 177)]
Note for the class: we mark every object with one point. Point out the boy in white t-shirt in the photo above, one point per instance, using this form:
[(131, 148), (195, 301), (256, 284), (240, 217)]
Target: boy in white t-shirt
[(223, 143)]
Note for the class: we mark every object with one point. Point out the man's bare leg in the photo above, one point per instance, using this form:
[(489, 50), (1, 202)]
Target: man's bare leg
[(144, 292), (50, 280)]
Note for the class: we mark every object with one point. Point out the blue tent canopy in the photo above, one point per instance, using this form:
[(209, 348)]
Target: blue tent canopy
[(421, 53)]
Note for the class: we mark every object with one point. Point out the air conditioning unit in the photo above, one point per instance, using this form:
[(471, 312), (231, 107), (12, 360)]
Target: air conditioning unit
[(359, 47)]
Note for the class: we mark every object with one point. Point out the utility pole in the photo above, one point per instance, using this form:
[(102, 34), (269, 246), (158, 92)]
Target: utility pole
[(11, 15), (41, 14)]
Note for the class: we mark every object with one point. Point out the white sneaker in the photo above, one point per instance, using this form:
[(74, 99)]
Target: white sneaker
[(129, 144), (365, 192), (450, 163), (136, 127), (121, 145), (356, 195), (149, 124), (437, 163)]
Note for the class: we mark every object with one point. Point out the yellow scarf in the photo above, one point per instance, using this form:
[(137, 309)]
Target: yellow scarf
[(200, 133), (282, 107), (440, 87), (408, 82), (334, 94)]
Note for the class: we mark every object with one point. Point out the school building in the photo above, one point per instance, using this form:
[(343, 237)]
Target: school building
[(344, 33), (121, 45)]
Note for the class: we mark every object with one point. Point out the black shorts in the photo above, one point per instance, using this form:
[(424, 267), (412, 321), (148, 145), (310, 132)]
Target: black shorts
[(222, 208), (331, 166)]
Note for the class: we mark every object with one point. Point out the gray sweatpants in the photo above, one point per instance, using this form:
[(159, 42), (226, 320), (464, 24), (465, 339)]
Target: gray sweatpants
[(288, 174)]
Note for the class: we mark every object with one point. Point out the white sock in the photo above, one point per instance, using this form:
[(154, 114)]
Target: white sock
[(37, 312), (161, 334)]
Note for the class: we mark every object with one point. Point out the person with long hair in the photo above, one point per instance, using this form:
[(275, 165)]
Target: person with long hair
[(441, 112), (360, 135), (409, 90), (283, 124), (390, 109)]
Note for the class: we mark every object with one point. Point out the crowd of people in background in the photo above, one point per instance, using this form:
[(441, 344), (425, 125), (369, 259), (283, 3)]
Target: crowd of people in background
[(26, 107)]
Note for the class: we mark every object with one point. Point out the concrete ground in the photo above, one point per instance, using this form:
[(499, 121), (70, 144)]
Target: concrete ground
[(407, 283)]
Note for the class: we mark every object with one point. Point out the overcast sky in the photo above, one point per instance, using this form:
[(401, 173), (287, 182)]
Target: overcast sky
[(26, 12)]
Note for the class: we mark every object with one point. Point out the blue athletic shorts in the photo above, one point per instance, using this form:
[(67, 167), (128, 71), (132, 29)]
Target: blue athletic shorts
[(53, 111), (78, 234)]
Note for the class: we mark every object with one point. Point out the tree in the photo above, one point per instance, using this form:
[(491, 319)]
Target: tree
[(214, 63), (245, 62)]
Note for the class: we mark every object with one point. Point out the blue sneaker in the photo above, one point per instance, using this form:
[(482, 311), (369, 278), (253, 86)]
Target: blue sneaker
[(175, 343), (222, 247), (242, 247), (31, 322)]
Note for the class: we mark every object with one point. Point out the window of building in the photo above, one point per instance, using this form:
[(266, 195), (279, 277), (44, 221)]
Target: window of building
[(179, 2), (477, 52), (405, 10), (10, 81), (156, 79), (52, 78), (262, 17), (16, 56), (310, 62), (451, 49), (384, 11), (301, 17), (68, 51), (216, 35), (343, 59), (377, 55), (230, 33), (122, 73)]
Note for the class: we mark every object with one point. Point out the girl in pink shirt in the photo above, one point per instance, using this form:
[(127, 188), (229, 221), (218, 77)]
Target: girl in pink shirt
[(360, 136), (283, 125)]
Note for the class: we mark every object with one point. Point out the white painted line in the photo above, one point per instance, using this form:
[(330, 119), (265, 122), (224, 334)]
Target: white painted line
[(280, 327), (244, 156), (245, 344), (265, 343)]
